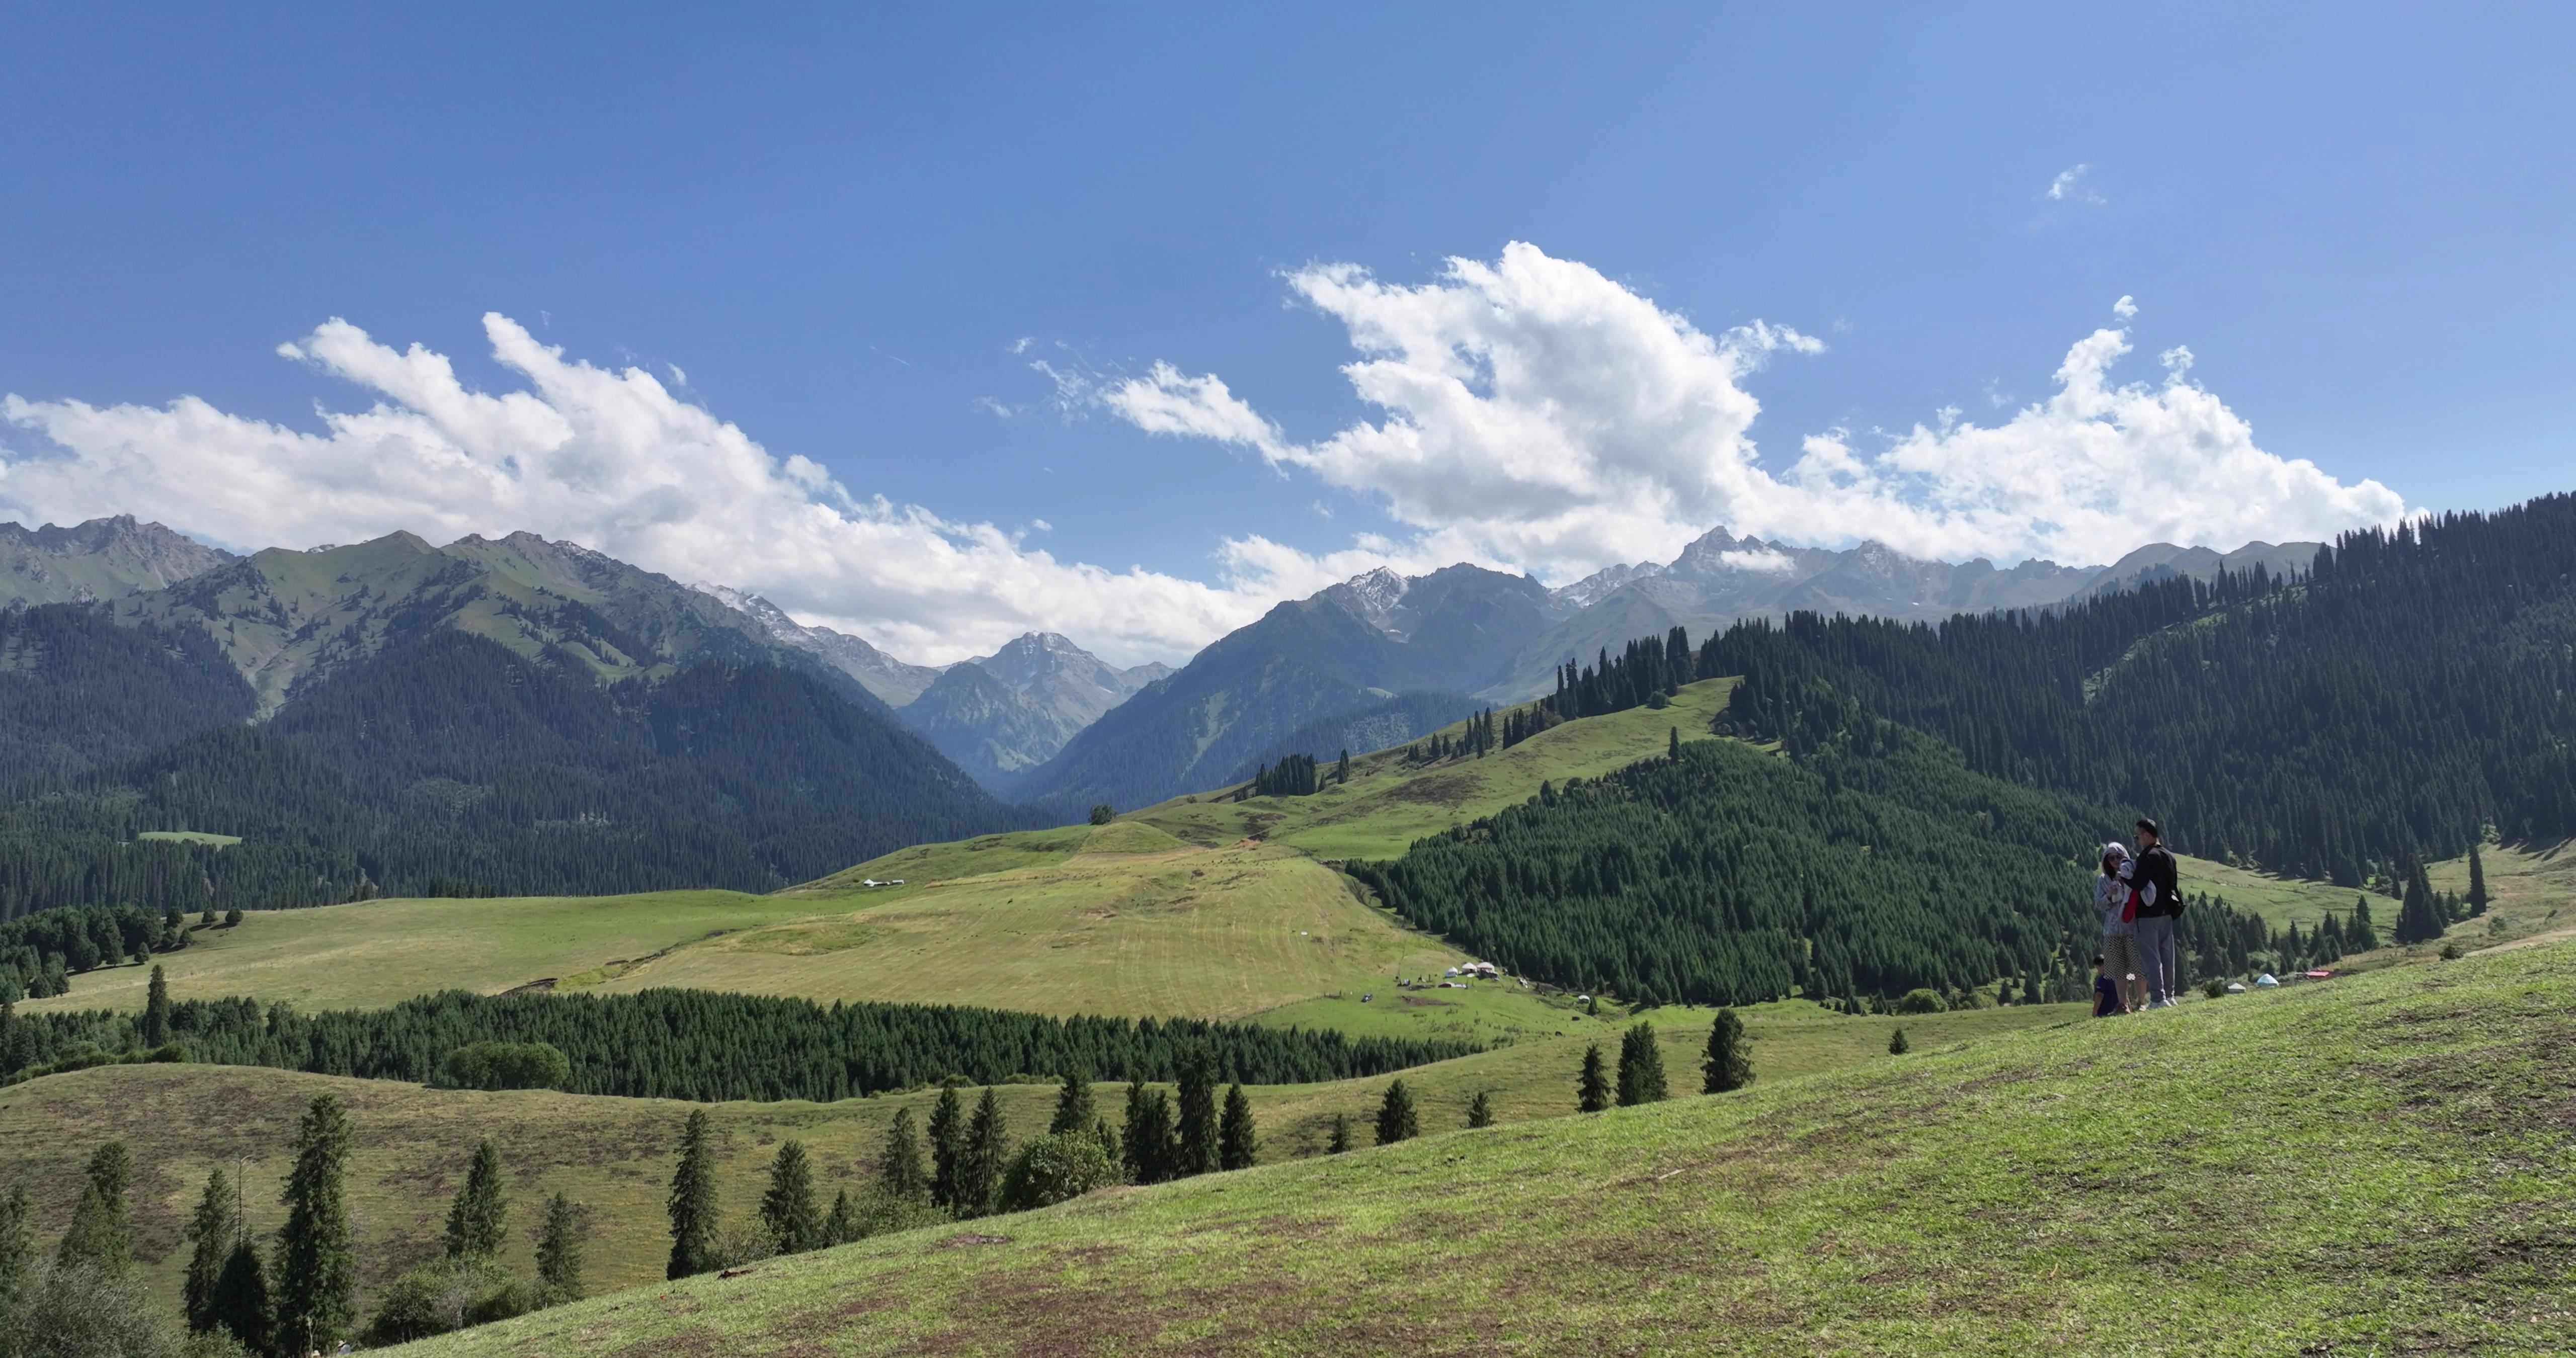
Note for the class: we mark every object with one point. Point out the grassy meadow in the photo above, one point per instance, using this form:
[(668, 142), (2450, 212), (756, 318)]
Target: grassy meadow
[(614, 1155), (2373, 1164)]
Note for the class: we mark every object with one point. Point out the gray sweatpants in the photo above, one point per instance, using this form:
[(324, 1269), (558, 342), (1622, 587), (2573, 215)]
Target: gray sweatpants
[(2157, 963)]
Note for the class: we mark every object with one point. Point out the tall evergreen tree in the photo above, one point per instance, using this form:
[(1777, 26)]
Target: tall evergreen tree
[(1074, 1109), (212, 1228), (559, 1250), (1238, 1144), (2419, 920), (693, 1202), (99, 1233), (788, 1210), (1339, 1140), (317, 1268), (1198, 1129), (1641, 1067), (842, 1225), (899, 1166), (17, 1251), (243, 1305), (2360, 931), (1728, 1066), (478, 1221), (1592, 1087), (1673, 746), (2478, 897), (1480, 1110), (156, 1010), (947, 1149), (987, 1154), (1396, 1118), (1342, 768), (1148, 1149)]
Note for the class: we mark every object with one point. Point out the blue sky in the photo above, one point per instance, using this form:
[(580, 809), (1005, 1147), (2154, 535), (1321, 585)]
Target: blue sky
[(854, 232)]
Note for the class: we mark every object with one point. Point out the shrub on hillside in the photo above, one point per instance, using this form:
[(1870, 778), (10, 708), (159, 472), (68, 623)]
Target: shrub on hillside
[(1922, 1001), (508, 1065), (1057, 1167), (449, 1295)]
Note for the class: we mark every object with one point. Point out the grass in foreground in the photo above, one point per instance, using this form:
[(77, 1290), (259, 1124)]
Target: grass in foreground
[(614, 1155), (2375, 1164)]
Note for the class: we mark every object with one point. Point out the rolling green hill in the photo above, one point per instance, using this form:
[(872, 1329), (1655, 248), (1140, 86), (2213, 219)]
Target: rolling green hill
[(2369, 1164), (613, 1154)]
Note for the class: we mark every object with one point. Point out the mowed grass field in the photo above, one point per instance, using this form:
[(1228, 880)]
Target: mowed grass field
[(1389, 803), (614, 1155), (2371, 1165)]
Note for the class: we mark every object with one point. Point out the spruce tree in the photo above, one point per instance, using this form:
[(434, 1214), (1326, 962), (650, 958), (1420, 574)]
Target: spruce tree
[(1340, 1139), (788, 1210), (156, 1010), (1149, 1152), (899, 1166), (1342, 768), (1198, 1129), (2478, 897), (2418, 918), (99, 1233), (987, 1154), (1673, 749), (1728, 1066), (478, 1221), (559, 1250), (317, 1269), (1592, 1087), (693, 1202), (17, 1252), (1641, 1067), (842, 1226), (1480, 1110), (1897, 1045), (1396, 1118), (2359, 931), (1238, 1144), (243, 1305), (1074, 1108), (212, 1229), (947, 1147)]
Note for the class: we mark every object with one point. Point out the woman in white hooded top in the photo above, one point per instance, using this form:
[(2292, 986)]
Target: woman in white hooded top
[(2115, 902)]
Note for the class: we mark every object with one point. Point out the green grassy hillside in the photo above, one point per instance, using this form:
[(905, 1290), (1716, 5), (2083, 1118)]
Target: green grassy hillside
[(613, 1155), (2374, 1164), (1389, 803)]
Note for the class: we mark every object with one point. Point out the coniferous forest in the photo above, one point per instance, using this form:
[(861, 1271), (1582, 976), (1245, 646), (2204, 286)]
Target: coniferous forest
[(692, 1044)]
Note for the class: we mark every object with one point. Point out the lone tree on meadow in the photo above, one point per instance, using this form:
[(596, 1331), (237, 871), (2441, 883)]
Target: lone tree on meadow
[(1238, 1144), (1729, 1066), (156, 1010), (899, 1166), (100, 1234), (2477, 897), (1396, 1118), (478, 1221), (788, 1211), (1592, 1087), (693, 1203), (1102, 813), (1340, 1138), (317, 1266), (1897, 1045), (1480, 1111), (1641, 1067), (559, 1250)]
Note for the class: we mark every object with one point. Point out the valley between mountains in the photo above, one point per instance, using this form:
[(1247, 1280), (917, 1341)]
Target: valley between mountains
[(1386, 871)]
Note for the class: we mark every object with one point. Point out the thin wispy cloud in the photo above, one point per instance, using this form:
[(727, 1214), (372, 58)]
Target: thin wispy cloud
[(2070, 187)]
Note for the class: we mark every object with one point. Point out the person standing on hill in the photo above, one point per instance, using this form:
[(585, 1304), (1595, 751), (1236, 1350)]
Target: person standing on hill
[(2116, 903), (2151, 873)]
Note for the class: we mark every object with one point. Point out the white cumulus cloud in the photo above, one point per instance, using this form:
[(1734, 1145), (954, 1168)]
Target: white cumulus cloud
[(1533, 412), (612, 459)]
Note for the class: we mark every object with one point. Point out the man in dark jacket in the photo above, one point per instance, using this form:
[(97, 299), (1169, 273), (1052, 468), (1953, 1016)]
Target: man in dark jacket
[(2159, 901)]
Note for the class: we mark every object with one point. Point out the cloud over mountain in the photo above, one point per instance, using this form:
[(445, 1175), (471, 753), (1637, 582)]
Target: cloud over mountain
[(1537, 413)]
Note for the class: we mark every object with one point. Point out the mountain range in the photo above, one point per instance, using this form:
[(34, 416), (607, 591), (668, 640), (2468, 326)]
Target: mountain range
[(1373, 661)]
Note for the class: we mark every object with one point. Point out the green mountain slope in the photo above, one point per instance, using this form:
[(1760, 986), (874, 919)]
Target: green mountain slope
[(2367, 1163)]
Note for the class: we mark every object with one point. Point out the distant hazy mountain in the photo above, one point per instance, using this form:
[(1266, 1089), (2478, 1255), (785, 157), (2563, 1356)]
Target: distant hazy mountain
[(892, 681), (2164, 561), (100, 559), (1341, 661), (1003, 714)]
